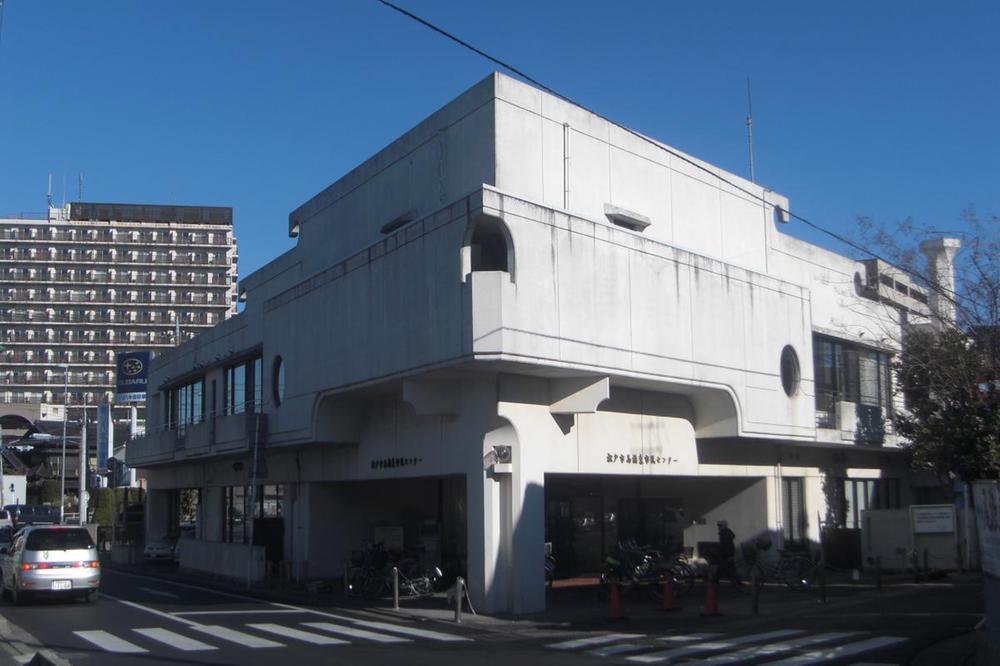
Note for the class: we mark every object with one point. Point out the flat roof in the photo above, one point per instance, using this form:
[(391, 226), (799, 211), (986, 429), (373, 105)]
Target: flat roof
[(117, 212)]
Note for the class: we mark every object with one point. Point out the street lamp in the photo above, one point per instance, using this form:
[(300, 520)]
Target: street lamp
[(62, 482)]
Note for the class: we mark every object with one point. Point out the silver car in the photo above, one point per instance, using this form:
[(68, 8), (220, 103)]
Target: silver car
[(50, 560)]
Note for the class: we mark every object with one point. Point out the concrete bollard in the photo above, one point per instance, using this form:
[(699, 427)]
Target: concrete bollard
[(754, 592), (395, 588), (878, 573), (459, 592)]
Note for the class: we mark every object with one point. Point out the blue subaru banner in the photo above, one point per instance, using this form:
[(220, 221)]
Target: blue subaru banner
[(133, 370), (105, 436)]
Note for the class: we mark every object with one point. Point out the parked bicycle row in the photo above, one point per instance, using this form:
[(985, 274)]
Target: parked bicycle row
[(374, 571), (646, 568)]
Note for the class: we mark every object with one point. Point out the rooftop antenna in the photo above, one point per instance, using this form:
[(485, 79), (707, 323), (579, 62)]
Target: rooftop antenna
[(48, 198), (753, 178), (79, 193)]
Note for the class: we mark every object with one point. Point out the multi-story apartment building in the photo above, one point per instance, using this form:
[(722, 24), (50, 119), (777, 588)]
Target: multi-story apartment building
[(93, 279)]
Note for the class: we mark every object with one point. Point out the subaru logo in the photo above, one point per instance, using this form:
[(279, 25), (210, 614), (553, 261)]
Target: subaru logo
[(131, 366)]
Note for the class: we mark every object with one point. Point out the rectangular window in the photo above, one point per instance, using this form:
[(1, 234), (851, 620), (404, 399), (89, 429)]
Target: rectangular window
[(865, 494), (243, 389), (234, 513), (793, 501), (851, 373), (186, 405)]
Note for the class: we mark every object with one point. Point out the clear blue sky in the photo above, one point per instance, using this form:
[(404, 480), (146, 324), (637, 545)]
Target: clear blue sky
[(887, 109)]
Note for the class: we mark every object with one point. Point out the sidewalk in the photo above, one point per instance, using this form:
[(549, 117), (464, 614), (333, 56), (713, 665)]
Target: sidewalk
[(584, 607)]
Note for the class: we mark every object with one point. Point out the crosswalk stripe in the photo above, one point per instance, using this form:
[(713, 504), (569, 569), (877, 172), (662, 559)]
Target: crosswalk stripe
[(819, 656), (592, 641), (109, 642), (356, 633), (711, 646), (233, 636), (686, 638), (620, 648), (772, 649), (291, 632), (412, 631), (174, 639)]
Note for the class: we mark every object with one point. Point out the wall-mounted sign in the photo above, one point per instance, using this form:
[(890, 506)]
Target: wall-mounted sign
[(133, 371), (640, 459), (932, 518), (394, 463)]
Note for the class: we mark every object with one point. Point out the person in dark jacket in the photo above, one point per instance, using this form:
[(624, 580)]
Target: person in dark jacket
[(727, 554)]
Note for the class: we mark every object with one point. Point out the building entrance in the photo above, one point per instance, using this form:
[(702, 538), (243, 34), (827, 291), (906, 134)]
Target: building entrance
[(587, 516)]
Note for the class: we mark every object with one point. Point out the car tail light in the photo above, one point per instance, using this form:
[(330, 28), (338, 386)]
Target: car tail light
[(28, 566)]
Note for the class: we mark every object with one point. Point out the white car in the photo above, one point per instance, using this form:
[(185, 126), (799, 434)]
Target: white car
[(161, 550)]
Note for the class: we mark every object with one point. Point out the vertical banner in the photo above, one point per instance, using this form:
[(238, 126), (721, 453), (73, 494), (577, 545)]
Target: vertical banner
[(133, 370), (105, 436)]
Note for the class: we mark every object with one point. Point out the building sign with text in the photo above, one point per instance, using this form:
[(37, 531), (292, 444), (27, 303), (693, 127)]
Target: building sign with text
[(133, 371)]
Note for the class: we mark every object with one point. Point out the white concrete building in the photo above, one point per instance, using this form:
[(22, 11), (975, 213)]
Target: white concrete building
[(516, 272)]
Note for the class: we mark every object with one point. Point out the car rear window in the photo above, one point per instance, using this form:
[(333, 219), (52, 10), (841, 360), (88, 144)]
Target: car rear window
[(59, 540)]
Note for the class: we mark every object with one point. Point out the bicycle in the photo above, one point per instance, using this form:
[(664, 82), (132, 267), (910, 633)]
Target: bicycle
[(795, 570)]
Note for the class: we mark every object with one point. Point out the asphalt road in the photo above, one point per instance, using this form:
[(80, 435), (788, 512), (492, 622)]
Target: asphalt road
[(144, 620)]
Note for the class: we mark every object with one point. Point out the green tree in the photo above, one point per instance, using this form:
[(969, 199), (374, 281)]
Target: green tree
[(50, 492), (952, 416), (949, 365)]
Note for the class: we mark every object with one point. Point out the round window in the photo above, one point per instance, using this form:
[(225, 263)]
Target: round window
[(278, 380), (790, 373)]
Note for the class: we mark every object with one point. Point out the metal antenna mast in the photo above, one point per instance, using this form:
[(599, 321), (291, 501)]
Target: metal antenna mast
[(753, 178)]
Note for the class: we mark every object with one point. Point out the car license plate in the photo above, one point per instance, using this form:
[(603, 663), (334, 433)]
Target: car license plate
[(62, 585)]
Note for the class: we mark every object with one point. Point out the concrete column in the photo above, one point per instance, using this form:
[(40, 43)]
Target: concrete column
[(940, 253), (210, 514), (158, 513)]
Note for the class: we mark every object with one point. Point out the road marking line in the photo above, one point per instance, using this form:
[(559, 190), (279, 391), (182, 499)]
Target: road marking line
[(109, 642), (169, 616), (710, 646), (776, 648), (620, 648), (819, 656), (238, 637), (592, 641), (174, 639), (186, 585), (159, 593), (687, 638), (413, 631), (356, 633), (307, 636), (269, 611)]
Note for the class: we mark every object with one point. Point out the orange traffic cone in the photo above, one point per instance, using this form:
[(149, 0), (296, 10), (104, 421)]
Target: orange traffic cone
[(711, 598), (668, 596), (617, 610)]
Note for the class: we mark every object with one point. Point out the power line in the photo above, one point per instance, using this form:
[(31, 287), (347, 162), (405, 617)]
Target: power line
[(663, 147)]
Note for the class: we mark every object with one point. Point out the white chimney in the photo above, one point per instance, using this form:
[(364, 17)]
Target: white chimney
[(940, 253)]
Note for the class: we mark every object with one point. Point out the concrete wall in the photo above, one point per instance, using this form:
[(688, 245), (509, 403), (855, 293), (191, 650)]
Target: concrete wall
[(229, 560)]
